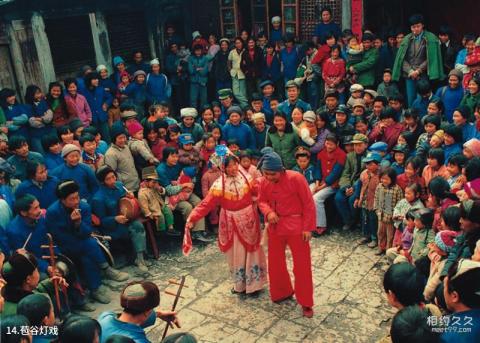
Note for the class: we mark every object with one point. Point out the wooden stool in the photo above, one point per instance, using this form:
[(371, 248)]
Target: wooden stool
[(149, 226)]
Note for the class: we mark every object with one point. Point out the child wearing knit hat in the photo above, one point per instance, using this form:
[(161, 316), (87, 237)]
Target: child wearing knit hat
[(438, 253), (471, 148), (142, 154)]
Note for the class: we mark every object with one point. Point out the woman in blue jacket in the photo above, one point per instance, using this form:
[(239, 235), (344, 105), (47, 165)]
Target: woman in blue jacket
[(40, 117), (198, 70), (137, 93), (15, 114), (99, 102), (158, 87)]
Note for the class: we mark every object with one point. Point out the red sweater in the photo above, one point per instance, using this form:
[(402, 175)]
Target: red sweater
[(291, 199), (331, 165)]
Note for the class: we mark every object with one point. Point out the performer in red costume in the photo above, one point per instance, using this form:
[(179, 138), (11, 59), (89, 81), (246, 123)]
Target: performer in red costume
[(239, 227), (287, 204)]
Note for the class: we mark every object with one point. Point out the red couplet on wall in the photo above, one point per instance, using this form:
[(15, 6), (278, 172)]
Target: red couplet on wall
[(357, 16)]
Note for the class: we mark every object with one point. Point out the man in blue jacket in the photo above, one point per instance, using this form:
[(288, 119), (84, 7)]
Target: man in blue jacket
[(69, 221), (99, 102), (73, 169), (138, 301), (293, 100), (38, 184), (105, 205)]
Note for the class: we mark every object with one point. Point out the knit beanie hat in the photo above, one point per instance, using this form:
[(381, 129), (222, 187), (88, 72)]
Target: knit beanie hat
[(472, 189), (188, 112), (439, 134), (117, 60), (457, 73), (134, 127), (116, 131), (271, 161), (234, 109), (139, 72), (140, 296), (68, 148), (18, 267), (474, 146), (190, 171), (445, 240), (101, 67)]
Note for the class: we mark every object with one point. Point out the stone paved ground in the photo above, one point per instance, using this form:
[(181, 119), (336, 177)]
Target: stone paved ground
[(350, 305)]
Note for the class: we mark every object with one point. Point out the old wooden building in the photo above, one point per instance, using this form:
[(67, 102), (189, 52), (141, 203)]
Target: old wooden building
[(42, 41)]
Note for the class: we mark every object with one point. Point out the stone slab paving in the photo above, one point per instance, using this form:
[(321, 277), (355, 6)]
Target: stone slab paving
[(350, 304)]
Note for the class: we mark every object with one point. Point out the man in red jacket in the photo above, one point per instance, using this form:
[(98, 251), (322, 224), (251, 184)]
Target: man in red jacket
[(287, 204)]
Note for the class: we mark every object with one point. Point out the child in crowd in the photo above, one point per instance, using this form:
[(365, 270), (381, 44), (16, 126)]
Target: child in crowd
[(187, 175), (423, 234), (400, 155), (387, 88), (188, 155), (89, 154), (471, 148), (381, 148), (369, 178), (208, 178), (53, 151), (76, 126), (387, 195), (66, 136), (124, 82), (400, 251), (102, 146), (246, 164), (333, 72), (206, 150), (141, 152), (431, 124), (356, 92), (412, 175), (173, 132), (411, 201), (438, 253), (450, 219), (152, 202), (354, 56), (453, 141), (155, 143), (304, 167), (113, 112), (454, 169), (297, 118), (435, 166), (232, 145)]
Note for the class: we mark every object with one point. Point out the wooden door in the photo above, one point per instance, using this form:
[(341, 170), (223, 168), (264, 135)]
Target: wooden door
[(228, 18), (260, 17), (290, 17), (7, 74)]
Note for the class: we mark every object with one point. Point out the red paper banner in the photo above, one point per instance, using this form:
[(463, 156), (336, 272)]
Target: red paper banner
[(357, 17)]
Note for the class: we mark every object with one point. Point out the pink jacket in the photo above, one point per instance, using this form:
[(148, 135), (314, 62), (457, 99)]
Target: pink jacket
[(78, 107)]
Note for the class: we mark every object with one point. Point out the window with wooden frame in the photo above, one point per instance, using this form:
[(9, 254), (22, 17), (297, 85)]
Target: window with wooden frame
[(260, 17), (290, 17), (228, 18)]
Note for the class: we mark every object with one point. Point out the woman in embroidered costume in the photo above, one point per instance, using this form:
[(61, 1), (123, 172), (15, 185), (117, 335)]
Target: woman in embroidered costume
[(239, 228)]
